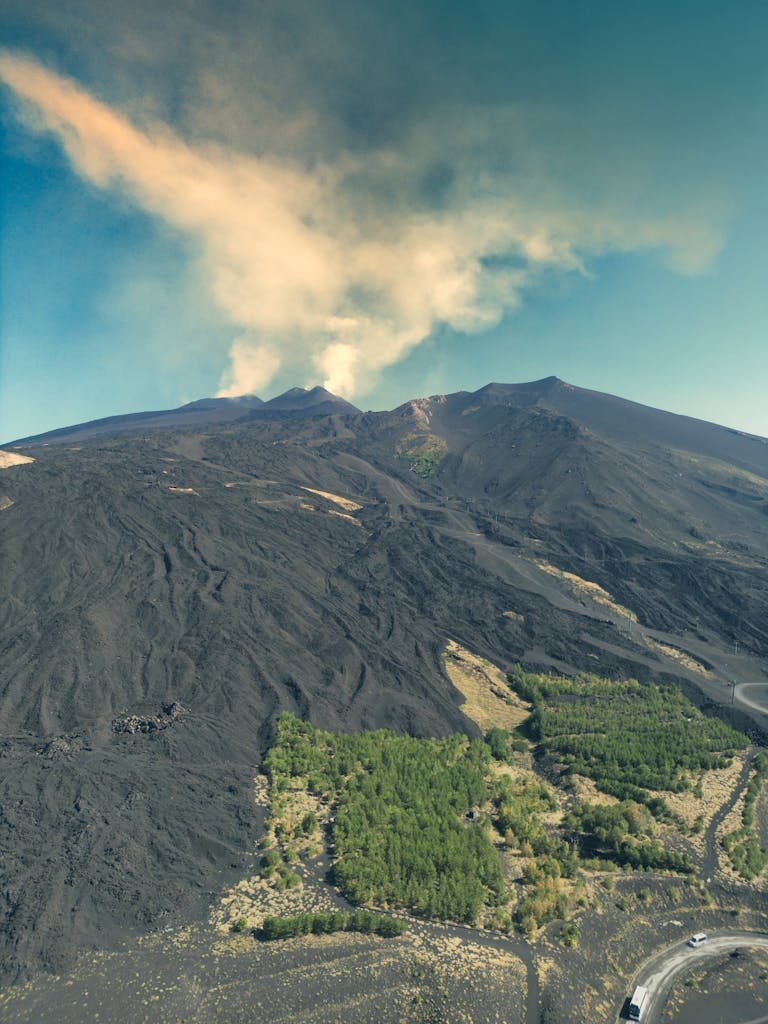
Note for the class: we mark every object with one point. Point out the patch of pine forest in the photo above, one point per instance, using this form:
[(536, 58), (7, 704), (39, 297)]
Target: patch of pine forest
[(419, 823)]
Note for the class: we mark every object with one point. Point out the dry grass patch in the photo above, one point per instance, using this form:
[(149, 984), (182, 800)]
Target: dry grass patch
[(255, 898), (345, 503), (261, 791), (463, 966), (286, 822), (716, 787), (344, 515), (585, 588), (8, 459), (488, 700), (585, 790), (681, 657)]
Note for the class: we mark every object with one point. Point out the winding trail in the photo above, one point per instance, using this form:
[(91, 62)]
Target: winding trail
[(517, 569), (315, 873), (741, 687), (710, 862)]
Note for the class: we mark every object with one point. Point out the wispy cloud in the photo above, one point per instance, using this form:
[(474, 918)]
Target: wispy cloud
[(344, 265)]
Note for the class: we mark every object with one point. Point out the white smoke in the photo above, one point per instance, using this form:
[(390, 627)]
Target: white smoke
[(312, 272)]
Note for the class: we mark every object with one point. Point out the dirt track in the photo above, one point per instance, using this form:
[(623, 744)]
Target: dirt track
[(711, 854)]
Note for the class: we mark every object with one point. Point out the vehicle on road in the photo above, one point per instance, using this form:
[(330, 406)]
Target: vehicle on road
[(637, 1003), (697, 940)]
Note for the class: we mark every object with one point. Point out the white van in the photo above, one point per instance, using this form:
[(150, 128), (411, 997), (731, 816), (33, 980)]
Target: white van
[(697, 940), (637, 1003)]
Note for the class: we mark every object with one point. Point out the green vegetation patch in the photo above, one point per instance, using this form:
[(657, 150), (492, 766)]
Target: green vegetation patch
[(519, 805), (410, 821), (617, 834), (628, 737), (328, 923), (748, 857), (424, 453), (400, 835)]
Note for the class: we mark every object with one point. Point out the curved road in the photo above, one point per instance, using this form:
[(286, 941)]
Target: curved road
[(741, 699), (658, 973)]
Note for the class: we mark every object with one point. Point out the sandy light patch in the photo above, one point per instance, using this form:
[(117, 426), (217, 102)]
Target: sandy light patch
[(488, 700), (8, 459), (585, 588), (585, 789), (252, 482), (5, 502), (344, 515), (734, 822), (184, 490), (681, 657), (723, 471), (261, 791), (255, 898), (345, 503), (716, 788)]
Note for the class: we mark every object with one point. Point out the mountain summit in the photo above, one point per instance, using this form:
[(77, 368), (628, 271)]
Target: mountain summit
[(298, 402), (294, 404)]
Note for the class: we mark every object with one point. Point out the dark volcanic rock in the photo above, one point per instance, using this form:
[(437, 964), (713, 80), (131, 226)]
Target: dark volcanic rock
[(297, 563), (202, 413), (148, 723)]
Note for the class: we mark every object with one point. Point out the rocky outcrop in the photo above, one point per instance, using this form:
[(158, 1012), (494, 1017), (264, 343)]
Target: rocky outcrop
[(148, 723)]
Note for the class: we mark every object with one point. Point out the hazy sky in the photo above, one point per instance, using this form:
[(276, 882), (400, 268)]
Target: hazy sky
[(394, 199)]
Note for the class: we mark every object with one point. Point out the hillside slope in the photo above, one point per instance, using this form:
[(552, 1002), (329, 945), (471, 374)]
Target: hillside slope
[(166, 593)]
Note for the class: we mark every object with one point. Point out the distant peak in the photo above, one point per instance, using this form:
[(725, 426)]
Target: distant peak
[(318, 391), (313, 401), (532, 385), (527, 391), (212, 403)]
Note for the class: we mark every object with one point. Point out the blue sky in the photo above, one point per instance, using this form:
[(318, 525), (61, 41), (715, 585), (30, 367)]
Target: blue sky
[(394, 199)]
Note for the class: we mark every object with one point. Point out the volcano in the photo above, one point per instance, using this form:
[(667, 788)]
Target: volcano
[(173, 580)]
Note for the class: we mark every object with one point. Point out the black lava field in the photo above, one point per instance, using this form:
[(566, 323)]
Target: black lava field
[(171, 583)]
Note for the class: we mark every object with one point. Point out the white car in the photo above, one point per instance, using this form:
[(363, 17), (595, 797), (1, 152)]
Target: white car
[(697, 940)]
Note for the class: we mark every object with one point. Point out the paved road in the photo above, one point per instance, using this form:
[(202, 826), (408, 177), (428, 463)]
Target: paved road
[(658, 973), (742, 698)]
